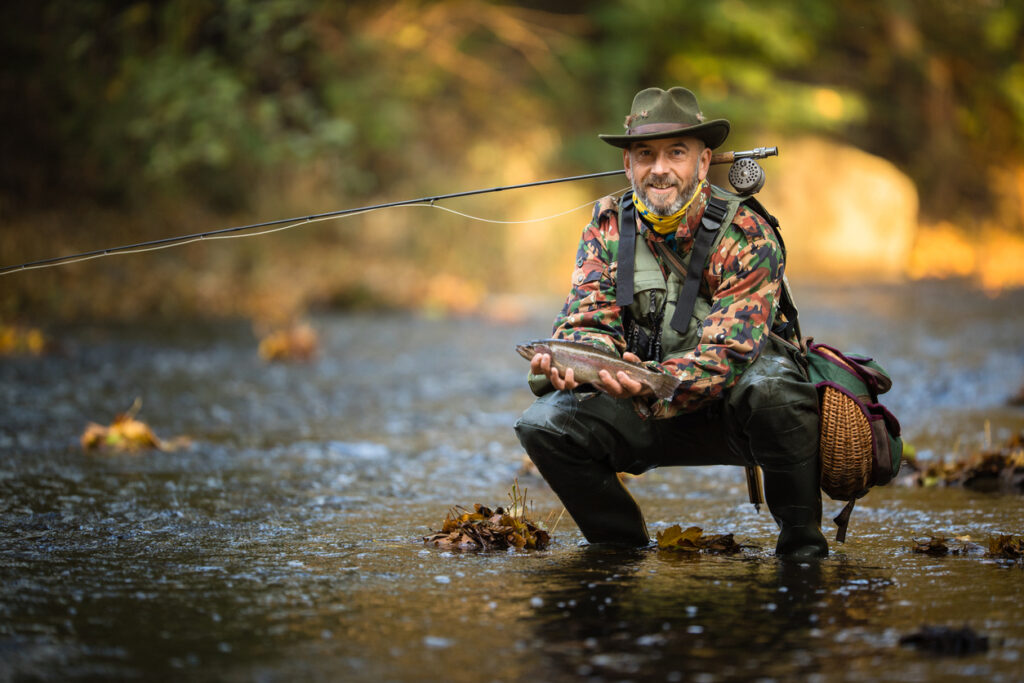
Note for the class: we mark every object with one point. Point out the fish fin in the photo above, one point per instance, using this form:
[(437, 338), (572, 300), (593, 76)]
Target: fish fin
[(664, 386)]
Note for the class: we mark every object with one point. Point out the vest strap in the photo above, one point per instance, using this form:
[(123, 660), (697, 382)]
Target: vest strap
[(627, 252), (714, 215)]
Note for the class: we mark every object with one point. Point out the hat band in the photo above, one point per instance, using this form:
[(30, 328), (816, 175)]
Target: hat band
[(658, 128)]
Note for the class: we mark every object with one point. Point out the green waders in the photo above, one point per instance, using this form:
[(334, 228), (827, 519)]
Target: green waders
[(769, 418)]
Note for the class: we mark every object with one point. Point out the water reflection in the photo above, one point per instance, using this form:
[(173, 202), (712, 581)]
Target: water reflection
[(653, 615)]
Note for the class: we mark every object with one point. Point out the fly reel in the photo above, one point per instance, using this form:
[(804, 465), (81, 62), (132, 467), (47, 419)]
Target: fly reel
[(746, 176)]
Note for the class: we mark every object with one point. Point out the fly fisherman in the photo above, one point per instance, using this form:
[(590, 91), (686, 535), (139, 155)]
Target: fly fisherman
[(743, 398)]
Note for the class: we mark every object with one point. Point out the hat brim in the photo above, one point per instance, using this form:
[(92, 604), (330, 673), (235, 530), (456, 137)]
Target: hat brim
[(713, 133)]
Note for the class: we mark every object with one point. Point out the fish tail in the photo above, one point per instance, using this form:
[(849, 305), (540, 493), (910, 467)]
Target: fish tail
[(664, 386)]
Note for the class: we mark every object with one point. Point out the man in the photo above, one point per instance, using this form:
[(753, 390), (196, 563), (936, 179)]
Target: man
[(743, 397)]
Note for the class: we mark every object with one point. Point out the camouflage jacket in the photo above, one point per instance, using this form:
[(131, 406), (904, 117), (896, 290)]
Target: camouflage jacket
[(742, 279)]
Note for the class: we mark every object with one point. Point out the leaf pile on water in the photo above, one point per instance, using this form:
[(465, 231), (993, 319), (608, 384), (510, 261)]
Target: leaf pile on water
[(126, 434), (298, 342), (16, 340), (994, 469), (1006, 546), (943, 640), (693, 540), (487, 529)]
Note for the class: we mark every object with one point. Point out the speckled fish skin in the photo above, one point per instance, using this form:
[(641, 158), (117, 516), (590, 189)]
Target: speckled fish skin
[(587, 362)]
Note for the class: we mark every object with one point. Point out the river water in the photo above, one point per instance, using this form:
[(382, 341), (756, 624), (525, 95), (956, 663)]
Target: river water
[(285, 543)]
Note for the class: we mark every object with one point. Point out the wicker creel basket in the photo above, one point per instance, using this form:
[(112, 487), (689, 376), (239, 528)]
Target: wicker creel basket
[(845, 446)]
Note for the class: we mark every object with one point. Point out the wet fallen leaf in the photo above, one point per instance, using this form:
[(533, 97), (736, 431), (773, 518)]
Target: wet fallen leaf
[(693, 540), (126, 434), (298, 342), (936, 545), (20, 340), (1006, 546), (943, 640)]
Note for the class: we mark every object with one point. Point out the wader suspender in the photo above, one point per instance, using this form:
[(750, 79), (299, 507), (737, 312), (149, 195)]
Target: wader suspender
[(714, 214), (627, 253)]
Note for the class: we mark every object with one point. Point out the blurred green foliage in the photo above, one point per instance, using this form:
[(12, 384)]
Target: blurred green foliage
[(121, 102)]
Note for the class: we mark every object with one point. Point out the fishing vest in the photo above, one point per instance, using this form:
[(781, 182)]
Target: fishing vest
[(657, 327)]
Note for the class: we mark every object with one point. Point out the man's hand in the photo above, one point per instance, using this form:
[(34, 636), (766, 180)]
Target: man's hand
[(540, 364), (621, 386)]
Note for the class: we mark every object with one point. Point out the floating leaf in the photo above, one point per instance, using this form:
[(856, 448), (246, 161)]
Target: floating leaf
[(1006, 546), (946, 641), (126, 434), (693, 540), (298, 342), (18, 340), (936, 545)]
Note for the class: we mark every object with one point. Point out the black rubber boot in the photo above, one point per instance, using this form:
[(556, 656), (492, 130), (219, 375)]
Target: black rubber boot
[(592, 494), (772, 419), (794, 499), (578, 446)]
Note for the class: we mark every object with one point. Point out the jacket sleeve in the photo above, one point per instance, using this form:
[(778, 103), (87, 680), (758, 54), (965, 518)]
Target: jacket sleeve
[(745, 276), (590, 314)]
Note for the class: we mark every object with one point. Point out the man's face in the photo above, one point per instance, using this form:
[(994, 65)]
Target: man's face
[(665, 172)]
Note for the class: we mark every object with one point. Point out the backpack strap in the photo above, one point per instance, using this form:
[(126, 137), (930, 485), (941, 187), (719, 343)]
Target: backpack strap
[(627, 252), (714, 214), (842, 520), (786, 303)]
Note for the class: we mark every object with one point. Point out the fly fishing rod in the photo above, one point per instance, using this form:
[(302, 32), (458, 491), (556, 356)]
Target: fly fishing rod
[(724, 157)]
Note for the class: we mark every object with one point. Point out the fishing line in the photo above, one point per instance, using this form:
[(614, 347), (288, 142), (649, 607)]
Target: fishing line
[(227, 233), (203, 238)]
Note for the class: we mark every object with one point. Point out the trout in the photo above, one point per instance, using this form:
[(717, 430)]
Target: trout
[(587, 361)]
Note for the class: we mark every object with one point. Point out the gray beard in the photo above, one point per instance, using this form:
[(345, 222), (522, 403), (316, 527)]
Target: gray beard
[(680, 201)]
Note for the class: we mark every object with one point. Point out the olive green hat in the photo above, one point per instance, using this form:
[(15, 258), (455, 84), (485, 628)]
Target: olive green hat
[(658, 113)]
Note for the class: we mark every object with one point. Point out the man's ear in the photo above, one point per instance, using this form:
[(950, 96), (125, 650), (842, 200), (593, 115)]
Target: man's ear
[(629, 167), (705, 162)]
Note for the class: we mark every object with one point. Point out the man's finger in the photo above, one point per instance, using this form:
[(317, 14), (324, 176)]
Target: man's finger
[(630, 384), (609, 385), (537, 364), (556, 379)]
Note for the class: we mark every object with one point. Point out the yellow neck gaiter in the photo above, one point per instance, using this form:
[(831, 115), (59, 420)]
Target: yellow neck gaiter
[(664, 225)]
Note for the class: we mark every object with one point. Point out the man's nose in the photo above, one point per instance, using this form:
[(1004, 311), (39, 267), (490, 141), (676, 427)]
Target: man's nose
[(661, 165)]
